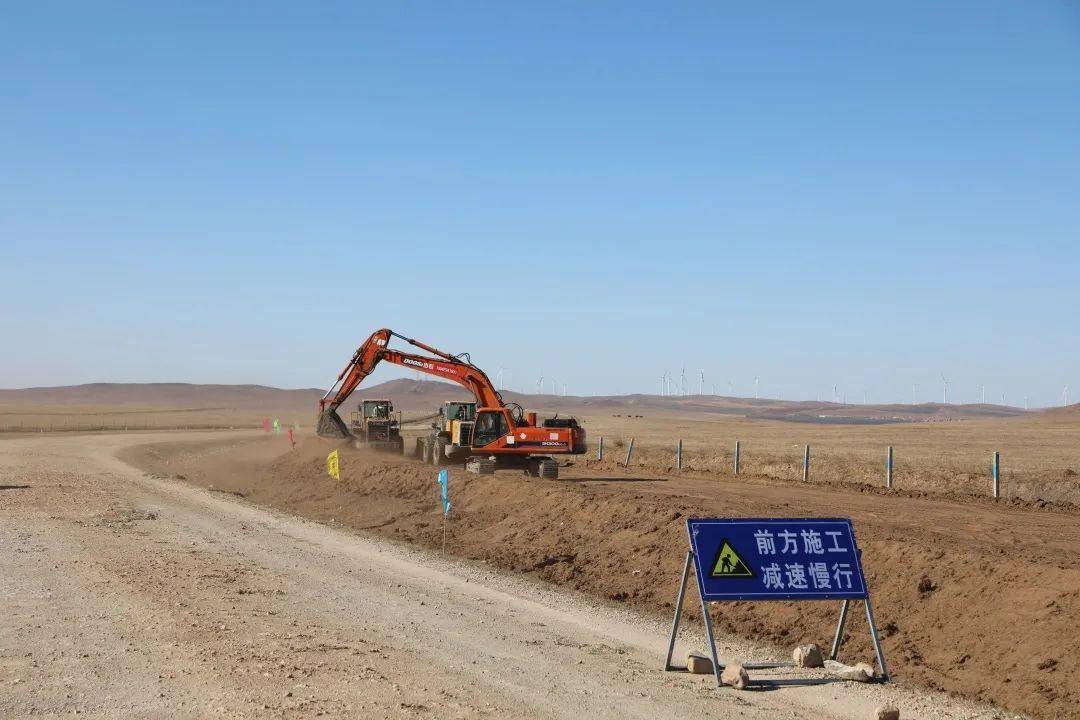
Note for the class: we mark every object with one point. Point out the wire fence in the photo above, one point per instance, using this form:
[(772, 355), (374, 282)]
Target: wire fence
[(1042, 466), (896, 467)]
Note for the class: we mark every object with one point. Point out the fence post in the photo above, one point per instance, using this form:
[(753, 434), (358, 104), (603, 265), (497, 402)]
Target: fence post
[(678, 455), (806, 463), (736, 457), (888, 469), (629, 450), (600, 449), (997, 474)]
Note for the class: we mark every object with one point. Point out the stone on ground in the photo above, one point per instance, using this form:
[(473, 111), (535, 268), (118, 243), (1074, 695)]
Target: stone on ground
[(862, 672), (867, 669), (736, 676), (699, 663), (886, 712), (808, 656)]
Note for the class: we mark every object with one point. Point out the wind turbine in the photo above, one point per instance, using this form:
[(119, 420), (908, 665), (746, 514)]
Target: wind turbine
[(835, 394), (554, 388), (944, 390), (701, 383), (682, 381), (1026, 402), (1065, 396), (731, 388), (756, 380), (540, 384), (501, 368), (983, 389)]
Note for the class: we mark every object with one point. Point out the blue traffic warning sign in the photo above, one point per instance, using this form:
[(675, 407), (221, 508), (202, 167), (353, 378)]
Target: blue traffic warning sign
[(776, 559)]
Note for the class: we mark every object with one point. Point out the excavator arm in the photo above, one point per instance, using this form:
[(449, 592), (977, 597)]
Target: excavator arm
[(375, 350)]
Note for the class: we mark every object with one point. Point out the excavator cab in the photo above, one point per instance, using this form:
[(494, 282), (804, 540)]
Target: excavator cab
[(491, 424)]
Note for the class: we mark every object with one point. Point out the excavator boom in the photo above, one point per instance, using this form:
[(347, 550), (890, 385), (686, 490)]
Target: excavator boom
[(375, 350)]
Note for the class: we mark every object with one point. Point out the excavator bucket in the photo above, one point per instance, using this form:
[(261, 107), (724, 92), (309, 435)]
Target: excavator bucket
[(331, 425)]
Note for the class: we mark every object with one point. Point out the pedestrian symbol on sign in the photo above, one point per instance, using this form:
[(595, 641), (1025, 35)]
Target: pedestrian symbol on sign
[(729, 564)]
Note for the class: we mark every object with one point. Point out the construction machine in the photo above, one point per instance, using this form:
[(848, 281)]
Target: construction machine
[(375, 426), (450, 435), (501, 435)]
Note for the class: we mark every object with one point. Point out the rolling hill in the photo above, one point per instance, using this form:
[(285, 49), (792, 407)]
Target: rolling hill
[(426, 395)]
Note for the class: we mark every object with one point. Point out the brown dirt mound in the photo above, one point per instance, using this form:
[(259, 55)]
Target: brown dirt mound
[(967, 594)]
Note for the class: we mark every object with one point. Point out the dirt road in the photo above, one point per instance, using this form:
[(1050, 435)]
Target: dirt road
[(129, 596)]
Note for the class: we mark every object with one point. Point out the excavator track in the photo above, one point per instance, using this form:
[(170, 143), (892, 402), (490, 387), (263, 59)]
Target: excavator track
[(480, 466), (549, 469)]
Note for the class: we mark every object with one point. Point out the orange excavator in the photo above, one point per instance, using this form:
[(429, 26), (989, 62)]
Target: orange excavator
[(503, 435)]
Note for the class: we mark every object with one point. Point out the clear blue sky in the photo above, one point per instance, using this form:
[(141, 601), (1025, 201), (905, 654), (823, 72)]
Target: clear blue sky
[(813, 193)]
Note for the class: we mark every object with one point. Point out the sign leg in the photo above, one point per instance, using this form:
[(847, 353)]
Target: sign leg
[(877, 640), (839, 631), (678, 612), (712, 641)]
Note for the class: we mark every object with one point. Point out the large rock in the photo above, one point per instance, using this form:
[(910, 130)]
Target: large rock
[(735, 675), (808, 656), (885, 712), (867, 670), (861, 672), (699, 663)]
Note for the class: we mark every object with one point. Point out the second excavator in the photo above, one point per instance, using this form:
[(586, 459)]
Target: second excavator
[(502, 435)]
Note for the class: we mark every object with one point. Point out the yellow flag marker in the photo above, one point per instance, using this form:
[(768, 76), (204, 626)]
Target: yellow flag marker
[(333, 466)]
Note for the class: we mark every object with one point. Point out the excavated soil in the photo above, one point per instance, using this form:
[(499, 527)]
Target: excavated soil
[(975, 598)]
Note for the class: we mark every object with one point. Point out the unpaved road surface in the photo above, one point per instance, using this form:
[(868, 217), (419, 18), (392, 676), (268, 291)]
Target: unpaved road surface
[(130, 596)]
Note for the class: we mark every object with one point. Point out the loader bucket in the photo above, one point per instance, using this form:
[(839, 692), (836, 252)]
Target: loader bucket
[(330, 425)]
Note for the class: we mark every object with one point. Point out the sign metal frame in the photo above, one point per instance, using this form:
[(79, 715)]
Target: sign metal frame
[(692, 560)]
